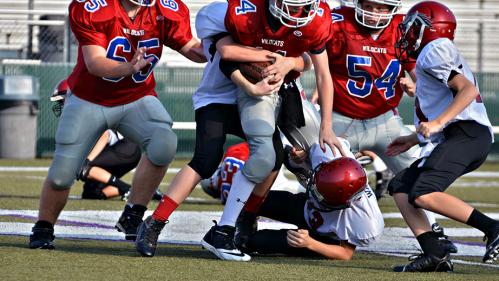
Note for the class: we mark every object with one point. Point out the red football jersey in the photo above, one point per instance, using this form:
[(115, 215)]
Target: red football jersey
[(365, 71), (105, 23), (247, 23)]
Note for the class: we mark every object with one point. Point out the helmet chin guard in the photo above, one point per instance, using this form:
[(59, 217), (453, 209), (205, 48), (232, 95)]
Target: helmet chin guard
[(294, 13)]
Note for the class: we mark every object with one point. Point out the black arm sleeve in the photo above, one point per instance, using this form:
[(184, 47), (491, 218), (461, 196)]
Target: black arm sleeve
[(228, 67)]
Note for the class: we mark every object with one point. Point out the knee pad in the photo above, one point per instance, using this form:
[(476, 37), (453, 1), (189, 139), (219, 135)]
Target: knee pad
[(63, 172), (262, 159), (162, 147)]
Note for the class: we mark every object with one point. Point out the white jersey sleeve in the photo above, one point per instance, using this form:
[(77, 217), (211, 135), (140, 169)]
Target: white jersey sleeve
[(214, 86), (440, 60), (114, 137)]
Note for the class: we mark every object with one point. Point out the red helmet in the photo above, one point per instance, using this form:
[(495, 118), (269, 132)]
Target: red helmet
[(336, 184), (424, 22), (58, 96)]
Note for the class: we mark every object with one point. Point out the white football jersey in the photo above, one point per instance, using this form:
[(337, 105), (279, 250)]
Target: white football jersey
[(214, 86), (434, 66), (360, 225)]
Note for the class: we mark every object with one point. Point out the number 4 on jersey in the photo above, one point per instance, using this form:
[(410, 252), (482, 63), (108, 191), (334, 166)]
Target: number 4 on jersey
[(245, 7)]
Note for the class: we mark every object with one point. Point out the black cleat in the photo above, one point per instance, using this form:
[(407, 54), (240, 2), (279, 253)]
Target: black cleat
[(42, 238), (492, 248), (220, 241), (128, 224), (147, 236), (426, 263), (446, 243), (246, 226)]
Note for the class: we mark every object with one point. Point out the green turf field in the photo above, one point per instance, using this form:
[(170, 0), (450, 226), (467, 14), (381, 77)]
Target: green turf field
[(76, 259)]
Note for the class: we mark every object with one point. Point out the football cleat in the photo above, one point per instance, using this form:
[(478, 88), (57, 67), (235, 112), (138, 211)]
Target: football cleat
[(128, 224), (246, 226), (447, 244), (220, 241), (147, 236), (157, 195), (426, 263), (492, 248), (42, 238)]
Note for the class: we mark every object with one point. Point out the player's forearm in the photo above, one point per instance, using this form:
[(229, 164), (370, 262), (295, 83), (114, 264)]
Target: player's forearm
[(460, 102), (229, 50), (332, 251), (325, 91), (99, 146), (193, 50), (243, 83), (301, 63), (104, 67)]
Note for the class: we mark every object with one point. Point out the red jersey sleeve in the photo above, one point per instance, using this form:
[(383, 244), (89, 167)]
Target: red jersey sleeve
[(178, 26), (83, 26), (324, 29)]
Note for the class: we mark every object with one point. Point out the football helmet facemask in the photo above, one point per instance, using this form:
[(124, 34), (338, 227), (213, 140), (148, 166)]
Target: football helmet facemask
[(294, 13), (375, 19), (424, 22), (143, 3), (338, 183), (58, 96)]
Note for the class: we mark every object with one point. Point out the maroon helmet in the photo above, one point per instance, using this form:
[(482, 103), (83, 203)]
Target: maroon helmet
[(58, 96), (424, 22), (336, 184)]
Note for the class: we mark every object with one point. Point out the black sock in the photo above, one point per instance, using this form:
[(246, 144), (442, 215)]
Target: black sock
[(431, 244), (44, 224), (138, 209), (482, 222), (122, 186)]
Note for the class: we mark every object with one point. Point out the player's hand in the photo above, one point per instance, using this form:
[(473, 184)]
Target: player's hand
[(408, 86), (298, 238), (138, 61), (265, 87), (279, 68), (401, 145), (298, 155), (327, 136), (426, 129)]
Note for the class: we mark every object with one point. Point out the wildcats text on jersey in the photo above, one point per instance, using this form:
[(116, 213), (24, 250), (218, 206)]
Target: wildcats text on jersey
[(272, 42), (372, 49)]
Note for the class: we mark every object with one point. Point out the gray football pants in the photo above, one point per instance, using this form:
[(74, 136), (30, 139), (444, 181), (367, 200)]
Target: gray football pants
[(144, 121), (375, 134), (258, 119)]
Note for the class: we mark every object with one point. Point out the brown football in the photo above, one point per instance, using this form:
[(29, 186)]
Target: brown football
[(253, 70)]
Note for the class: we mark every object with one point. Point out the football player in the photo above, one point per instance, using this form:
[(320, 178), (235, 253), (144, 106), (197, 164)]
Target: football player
[(216, 115), (452, 128), (289, 28), (120, 42), (338, 213)]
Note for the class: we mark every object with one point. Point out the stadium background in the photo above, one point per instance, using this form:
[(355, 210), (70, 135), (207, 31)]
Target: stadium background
[(35, 40)]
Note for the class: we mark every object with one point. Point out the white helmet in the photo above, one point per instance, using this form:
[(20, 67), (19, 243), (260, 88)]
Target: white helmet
[(347, 3), (294, 13), (382, 19), (144, 3)]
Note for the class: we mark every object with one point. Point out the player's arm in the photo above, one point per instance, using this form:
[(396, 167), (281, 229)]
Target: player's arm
[(262, 88), (232, 51), (99, 65), (99, 146), (301, 239), (193, 50), (465, 91), (325, 89), (408, 84), (283, 65)]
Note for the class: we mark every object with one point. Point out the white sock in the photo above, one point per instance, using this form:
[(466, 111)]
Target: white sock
[(239, 193), (430, 216), (379, 165)]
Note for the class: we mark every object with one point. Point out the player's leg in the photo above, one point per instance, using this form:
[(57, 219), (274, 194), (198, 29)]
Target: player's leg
[(147, 123), (258, 117), (74, 140), (213, 122)]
